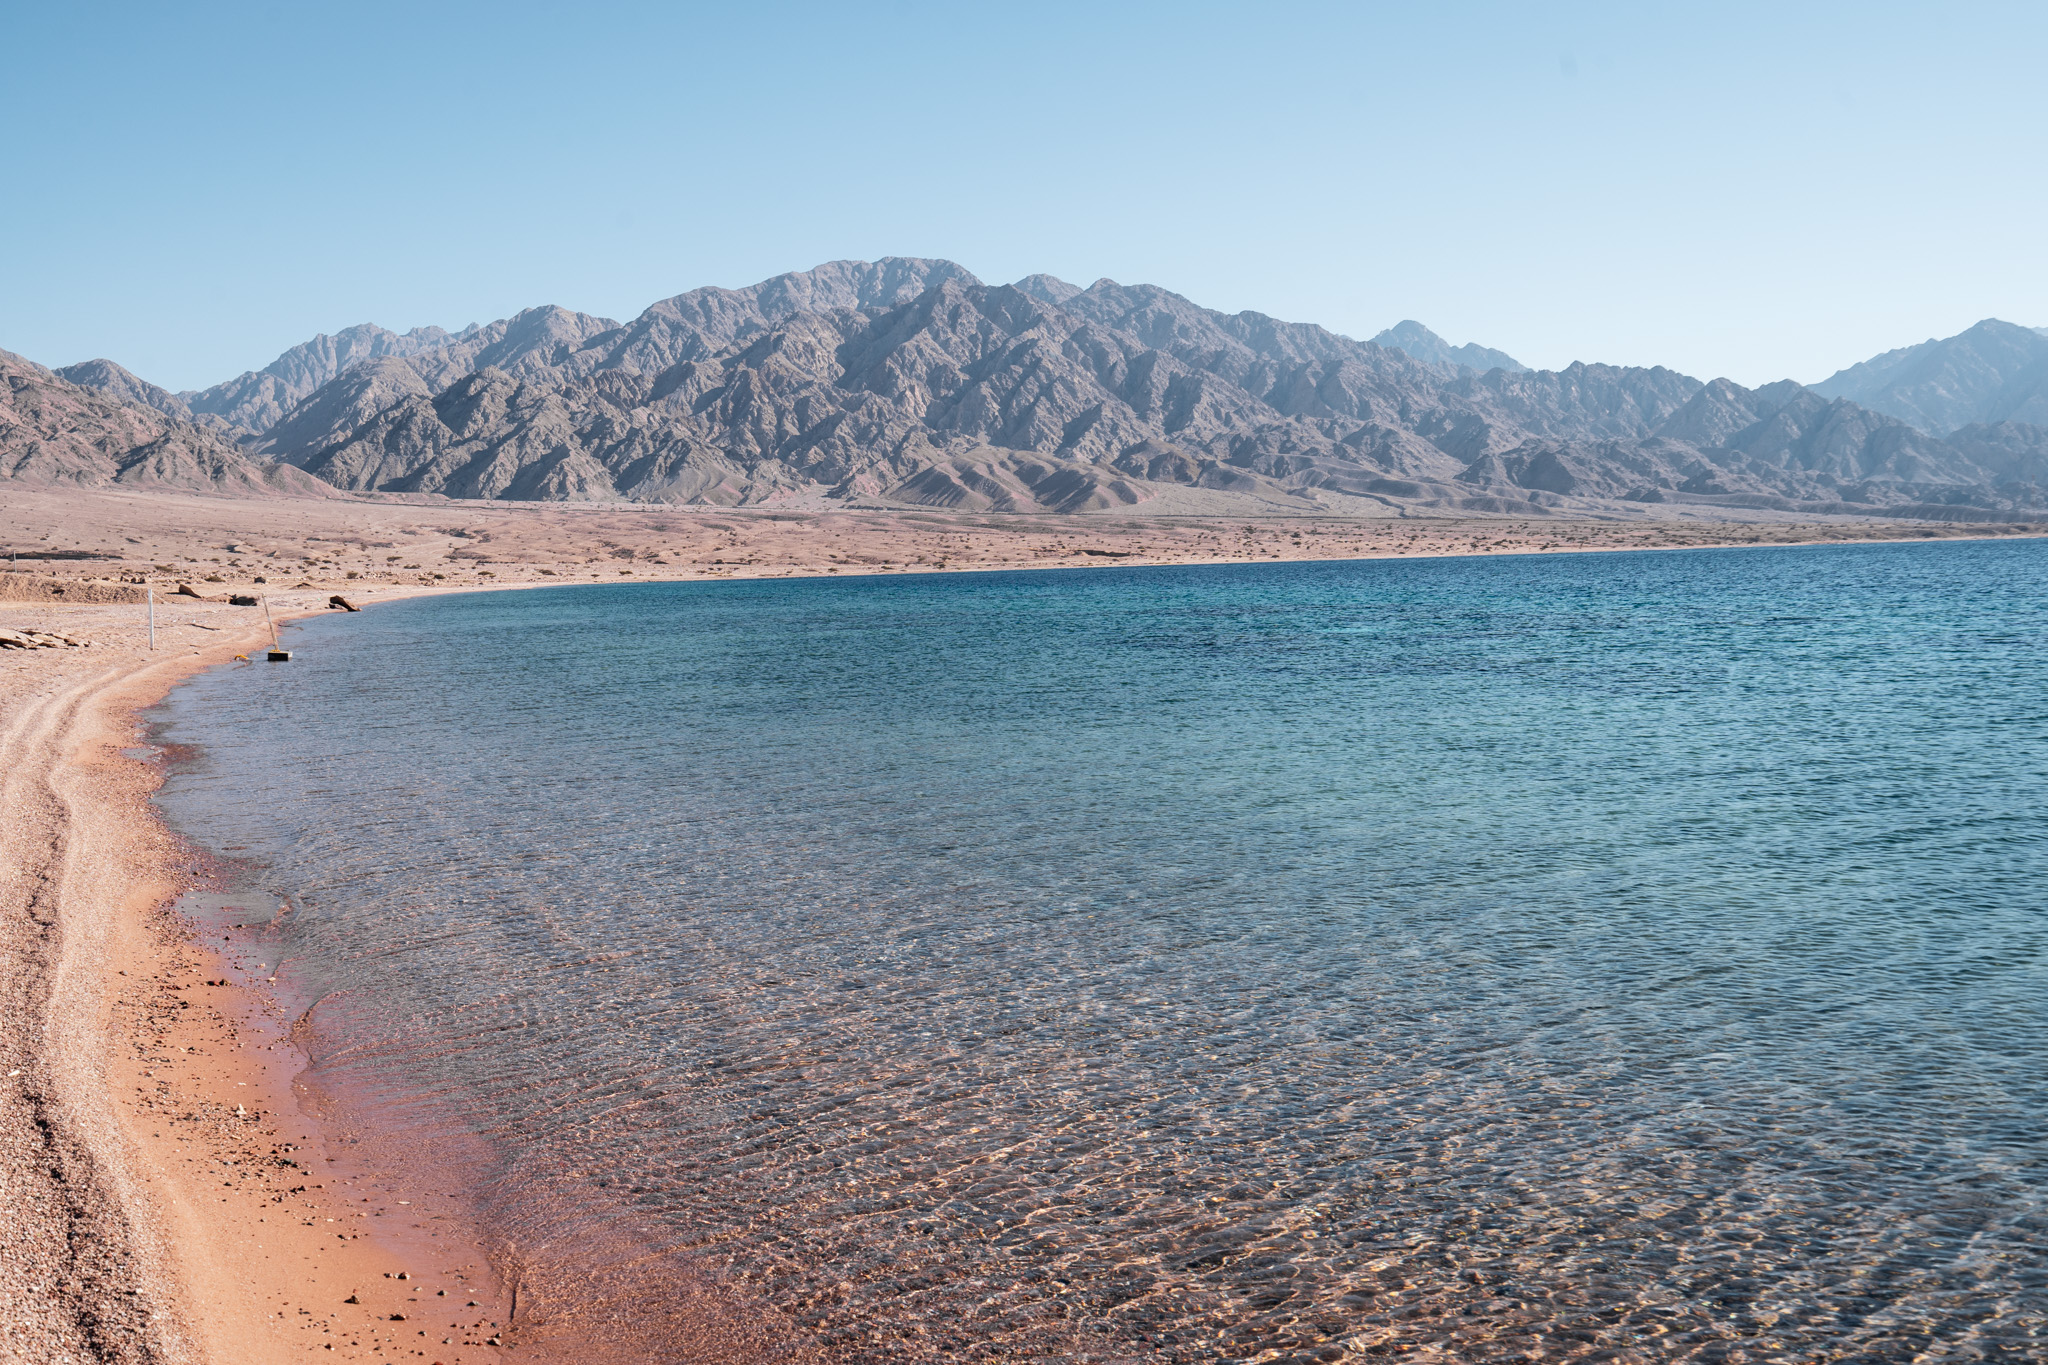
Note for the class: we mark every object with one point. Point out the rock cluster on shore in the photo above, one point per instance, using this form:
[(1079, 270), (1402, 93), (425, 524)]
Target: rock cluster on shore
[(40, 639)]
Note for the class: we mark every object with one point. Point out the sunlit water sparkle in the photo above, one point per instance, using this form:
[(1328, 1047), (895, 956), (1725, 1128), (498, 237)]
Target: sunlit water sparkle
[(1614, 956)]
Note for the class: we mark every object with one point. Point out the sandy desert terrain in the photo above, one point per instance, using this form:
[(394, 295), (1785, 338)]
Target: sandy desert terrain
[(215, 544)]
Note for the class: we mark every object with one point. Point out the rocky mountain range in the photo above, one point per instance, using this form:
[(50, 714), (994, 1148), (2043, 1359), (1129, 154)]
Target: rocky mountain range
[(1995, 372), (111, 430), (1418, 341), (259, 399), (910, 381)]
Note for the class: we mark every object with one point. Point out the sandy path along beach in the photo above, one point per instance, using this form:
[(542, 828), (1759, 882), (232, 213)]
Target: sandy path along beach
[(78, 1279)]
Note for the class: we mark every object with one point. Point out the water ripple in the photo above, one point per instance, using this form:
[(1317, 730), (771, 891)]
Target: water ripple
[(1626, 957)]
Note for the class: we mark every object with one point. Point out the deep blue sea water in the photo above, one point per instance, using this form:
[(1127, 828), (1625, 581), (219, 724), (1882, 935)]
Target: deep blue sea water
[(1632, 956)]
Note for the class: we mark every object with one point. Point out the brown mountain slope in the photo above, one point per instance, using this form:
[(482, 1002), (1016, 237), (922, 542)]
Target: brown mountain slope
[(56, 432), (119, 384)]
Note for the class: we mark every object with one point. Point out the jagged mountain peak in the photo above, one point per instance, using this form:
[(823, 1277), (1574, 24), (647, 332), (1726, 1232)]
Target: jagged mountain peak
[(1993, 371), (1417, 340), (836, 284), (702, 321), (54, 431), (1717, 412), (909, 379), (257, 400), (549, 328), (116, 381), (1048, 288), (341, 406), (325, 356)]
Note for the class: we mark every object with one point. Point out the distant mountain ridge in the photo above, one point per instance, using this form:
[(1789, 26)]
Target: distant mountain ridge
[(255, 401), (117, 382), (1994, 372), (54, 430), (1418, 341), (910, 381)]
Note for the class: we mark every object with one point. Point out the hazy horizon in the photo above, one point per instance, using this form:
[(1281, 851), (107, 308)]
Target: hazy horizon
[(1770, 196)]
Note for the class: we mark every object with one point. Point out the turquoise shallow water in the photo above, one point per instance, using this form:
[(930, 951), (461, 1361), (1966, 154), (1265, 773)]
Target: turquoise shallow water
[(1632, 956)]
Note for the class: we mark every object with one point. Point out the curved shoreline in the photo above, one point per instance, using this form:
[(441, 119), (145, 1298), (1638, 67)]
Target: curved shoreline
[(121, 1251), (131, 1085)]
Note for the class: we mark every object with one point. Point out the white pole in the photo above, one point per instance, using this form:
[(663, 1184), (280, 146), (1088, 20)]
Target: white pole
[(152, 618), (268, 622)]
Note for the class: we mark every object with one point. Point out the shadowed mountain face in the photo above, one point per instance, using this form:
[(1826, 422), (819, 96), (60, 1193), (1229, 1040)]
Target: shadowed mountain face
[(911, 381), (1995, 372), (2013, 452), (55, 431)]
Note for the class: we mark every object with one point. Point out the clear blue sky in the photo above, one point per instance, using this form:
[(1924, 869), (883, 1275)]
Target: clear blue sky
[(1755, 191)]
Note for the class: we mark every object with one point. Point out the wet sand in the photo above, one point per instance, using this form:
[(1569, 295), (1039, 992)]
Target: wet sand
[(170, 1198)]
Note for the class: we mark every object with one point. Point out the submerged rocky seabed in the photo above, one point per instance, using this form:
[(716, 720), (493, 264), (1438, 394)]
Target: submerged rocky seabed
[(1493, 959)]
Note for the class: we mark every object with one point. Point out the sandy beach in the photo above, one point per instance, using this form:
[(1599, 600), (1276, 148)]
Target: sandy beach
[(170, 1197), (175, 1202)]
